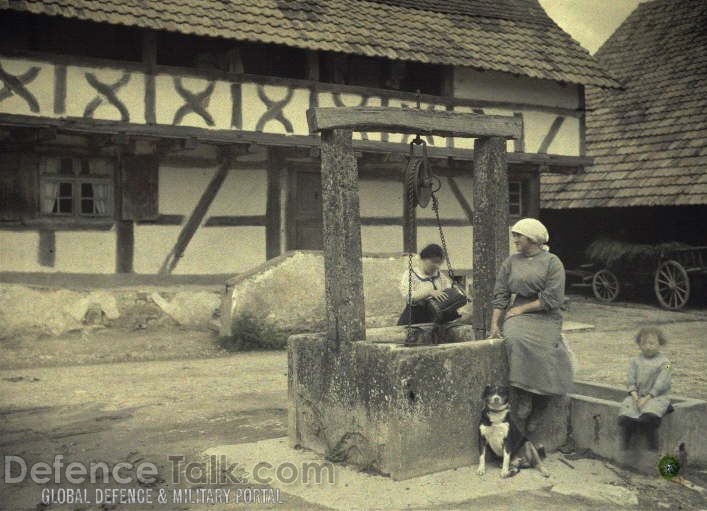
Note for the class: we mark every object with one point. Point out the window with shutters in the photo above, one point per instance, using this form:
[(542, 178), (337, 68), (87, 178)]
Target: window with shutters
[(76, 187)]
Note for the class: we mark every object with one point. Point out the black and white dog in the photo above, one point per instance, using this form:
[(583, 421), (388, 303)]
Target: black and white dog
[(505, 440)]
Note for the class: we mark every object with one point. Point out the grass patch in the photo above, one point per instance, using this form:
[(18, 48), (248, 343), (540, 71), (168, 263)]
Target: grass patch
[(252, 333)]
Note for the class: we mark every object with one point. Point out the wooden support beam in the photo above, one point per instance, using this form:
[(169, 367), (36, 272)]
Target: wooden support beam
[(343, 268), (490, 221), (552, 162), (125, 245), (414, 121), (463, 203), (272, 205), (197, 216), (47, 248), (531, 195)]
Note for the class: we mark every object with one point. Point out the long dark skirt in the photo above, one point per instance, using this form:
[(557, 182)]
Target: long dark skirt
[(538, 359), (420, 314)]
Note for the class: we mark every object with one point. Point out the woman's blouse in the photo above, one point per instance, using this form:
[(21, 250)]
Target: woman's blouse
[(541, 276), (422, 284)]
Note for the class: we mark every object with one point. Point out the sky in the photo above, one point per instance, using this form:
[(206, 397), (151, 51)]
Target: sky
[(590, 22)]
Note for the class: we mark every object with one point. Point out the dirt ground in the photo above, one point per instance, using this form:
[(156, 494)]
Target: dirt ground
[(111, 395)]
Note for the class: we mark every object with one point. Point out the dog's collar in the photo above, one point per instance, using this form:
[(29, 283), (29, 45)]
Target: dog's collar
[(505, 407)]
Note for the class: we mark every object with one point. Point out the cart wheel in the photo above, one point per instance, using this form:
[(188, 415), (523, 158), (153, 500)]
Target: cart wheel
[(672, 285), (606, 286)]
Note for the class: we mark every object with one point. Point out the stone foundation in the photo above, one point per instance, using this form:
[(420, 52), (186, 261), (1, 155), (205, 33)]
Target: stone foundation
[(398, 411)]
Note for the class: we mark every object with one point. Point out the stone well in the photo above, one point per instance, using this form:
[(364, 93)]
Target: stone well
[(394, 410)]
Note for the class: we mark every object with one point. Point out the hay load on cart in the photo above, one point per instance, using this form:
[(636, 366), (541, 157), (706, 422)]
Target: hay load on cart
[(675, 270)]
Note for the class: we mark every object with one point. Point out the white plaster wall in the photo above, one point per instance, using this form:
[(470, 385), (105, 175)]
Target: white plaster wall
[(449, 206), (152, 244), (497, 86), (80, 93), (566, 142), (42, 88), (381, 238), (211, 250), (379, 198), (223, 250), (18, 251), (244, 192), (459, 243), (180, 188), (168, 101), (76, 252), (253, 108), (85, 251)]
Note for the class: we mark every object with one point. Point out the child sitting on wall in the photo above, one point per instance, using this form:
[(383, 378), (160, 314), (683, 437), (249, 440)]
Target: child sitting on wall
[(648, 385)]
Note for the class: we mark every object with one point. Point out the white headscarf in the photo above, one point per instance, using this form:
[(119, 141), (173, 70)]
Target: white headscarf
[(534, 230)]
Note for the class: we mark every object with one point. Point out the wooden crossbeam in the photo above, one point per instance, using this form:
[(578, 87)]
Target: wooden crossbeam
[(414, 121)]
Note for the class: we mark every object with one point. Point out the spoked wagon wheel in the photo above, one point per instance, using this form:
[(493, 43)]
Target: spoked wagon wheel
[(606, 286), (672, 285)]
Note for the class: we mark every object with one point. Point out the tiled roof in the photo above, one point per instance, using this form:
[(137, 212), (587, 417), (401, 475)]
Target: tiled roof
[(514, 36), (649, 141)]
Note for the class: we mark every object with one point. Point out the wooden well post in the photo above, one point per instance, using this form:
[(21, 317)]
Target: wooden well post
[(342, 223)]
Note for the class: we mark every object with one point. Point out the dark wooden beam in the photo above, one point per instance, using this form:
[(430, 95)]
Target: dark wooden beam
[(343, 268), (313, 66), (125, 246), (460, 198), (420, 222), (47, 248), (238, 77), (551, 134), (414, 121), (198, 214), (553, 163), (163, 220), (272, 205), (237, 221), (124, 229), (581, 101), (490, 220), (531, 196)]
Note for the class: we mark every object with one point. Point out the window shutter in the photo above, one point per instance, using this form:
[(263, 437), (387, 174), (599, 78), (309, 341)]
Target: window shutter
[(139, 185), (18, 187)]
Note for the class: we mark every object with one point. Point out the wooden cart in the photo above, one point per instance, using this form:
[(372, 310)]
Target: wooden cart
[(673, 273)]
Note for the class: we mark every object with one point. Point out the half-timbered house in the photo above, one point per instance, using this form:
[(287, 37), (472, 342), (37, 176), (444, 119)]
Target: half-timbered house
[(171, 137)]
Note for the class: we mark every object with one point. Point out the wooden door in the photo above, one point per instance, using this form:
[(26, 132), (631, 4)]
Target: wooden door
[(306, 219)]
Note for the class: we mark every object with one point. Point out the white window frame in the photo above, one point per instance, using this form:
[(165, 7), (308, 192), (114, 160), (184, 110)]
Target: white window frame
[(77, 180)]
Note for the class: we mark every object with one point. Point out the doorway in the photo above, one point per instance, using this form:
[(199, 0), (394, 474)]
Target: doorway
[(304, 222)]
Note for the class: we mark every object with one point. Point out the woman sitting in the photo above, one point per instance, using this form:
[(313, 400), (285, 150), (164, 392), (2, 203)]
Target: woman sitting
[(426, 282), (530, 290)]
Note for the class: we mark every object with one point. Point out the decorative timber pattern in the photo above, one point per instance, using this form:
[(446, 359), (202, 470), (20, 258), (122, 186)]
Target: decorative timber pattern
[(107, 93), (175, 98)]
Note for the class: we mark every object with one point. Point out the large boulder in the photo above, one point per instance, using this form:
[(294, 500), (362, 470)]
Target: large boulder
[(288, 291)]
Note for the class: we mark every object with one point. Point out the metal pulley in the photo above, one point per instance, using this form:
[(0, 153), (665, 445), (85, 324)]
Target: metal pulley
[(418, 177)]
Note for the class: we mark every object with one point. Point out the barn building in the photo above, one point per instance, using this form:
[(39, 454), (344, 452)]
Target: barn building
[(171, 137), (648, 139)]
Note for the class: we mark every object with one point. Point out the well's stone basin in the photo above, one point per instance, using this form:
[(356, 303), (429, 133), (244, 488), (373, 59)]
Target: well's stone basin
[(394, 410)]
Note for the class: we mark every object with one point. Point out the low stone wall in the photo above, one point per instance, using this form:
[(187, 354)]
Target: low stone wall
[(594, 413), (50, 311), (288, 291)]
